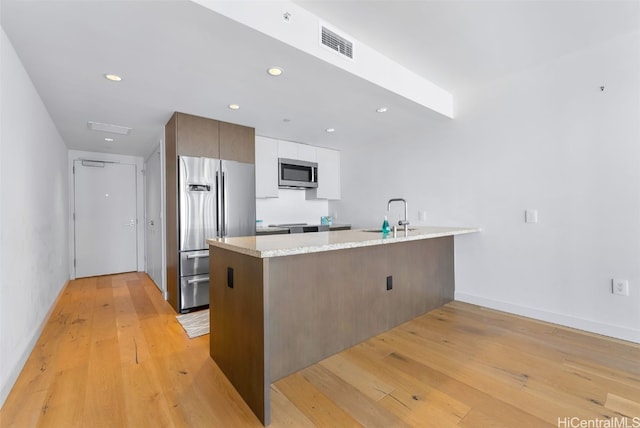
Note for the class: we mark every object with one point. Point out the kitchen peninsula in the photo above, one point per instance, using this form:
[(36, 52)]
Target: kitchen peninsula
[(280, 303)]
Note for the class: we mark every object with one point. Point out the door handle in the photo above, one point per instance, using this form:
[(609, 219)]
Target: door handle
[(197, 280), (151, 223)]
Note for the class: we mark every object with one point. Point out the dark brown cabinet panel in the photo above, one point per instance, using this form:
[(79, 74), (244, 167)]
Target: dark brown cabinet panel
[(171, 201), (197, 136)]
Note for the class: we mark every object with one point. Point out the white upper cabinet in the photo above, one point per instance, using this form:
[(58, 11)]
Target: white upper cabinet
[(266, 167), (287, 149), (268, 150), (297, 151), (307, 153), (328, 175)]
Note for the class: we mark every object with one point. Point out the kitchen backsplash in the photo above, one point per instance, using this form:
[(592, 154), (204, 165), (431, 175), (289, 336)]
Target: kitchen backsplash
[(291, 207)]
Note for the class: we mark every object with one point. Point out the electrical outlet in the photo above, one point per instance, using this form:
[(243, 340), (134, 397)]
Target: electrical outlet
[(620, 286), (422, 215)]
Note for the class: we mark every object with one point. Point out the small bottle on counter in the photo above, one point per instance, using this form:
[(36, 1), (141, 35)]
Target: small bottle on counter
[(385, 227)]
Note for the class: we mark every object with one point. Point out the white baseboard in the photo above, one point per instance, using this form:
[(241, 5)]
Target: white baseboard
[(618, 332), (17, 369)]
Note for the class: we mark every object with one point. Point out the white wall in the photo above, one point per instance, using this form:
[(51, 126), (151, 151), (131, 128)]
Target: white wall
[(547, 139), (138, 161), (33, 215), (291, 207)]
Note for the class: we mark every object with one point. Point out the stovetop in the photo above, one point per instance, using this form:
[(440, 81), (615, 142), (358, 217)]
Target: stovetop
[(302, 227)]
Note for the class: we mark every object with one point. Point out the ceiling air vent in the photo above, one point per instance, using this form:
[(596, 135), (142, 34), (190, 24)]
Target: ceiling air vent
[(337, 43), (105, 127)]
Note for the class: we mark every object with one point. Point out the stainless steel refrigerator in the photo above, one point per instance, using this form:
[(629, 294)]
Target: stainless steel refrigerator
[(216, 199)]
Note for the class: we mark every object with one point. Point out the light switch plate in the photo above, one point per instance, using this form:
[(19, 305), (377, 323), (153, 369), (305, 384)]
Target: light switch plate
[(531, 216)]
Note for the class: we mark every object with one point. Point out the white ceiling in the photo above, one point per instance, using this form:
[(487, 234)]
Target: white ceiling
[(455, 43), (179, 56)]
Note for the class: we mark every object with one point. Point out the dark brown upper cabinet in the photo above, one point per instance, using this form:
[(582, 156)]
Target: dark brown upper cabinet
[(237, 143), (203, 137), (197, 136)]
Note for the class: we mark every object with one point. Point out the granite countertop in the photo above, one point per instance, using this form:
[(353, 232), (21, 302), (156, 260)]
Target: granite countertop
[(303, 243)]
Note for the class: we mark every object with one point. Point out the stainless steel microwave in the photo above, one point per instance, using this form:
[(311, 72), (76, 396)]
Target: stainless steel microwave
[(297, 174)]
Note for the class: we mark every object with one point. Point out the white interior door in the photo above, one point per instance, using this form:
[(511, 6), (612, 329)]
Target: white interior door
[(153, 220), (105, 223)]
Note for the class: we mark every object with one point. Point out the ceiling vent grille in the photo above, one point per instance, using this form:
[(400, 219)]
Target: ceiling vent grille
[(337, 43), (105, 127)]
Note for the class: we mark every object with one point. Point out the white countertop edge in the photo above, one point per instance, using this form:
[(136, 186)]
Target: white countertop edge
[(338, 246)]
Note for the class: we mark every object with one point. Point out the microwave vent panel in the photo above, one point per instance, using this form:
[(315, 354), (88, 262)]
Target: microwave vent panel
[(336, 42)]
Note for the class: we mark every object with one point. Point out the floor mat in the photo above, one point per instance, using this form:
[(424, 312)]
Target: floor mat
[(195, 323)]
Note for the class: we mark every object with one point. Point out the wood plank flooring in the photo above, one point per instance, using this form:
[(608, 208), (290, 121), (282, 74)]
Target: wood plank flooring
[(113, 355)]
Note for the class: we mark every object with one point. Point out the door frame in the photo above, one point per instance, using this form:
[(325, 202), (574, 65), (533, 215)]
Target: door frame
[(163, 265), (140, 197)]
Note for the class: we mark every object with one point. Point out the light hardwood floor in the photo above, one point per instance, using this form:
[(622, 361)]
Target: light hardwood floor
[(113, 355)]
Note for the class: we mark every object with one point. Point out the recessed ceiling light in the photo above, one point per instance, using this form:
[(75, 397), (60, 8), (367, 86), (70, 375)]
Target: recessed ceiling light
[(330, 130), (113, 77), (381, 110), (234, 106), (108, 139), (274, 71)]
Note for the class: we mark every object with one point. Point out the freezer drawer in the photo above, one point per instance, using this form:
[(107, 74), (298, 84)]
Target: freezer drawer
[(194, 291), (194, 262)]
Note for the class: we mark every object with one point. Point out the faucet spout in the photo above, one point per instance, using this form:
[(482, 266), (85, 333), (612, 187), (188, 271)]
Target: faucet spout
[(404, 222)]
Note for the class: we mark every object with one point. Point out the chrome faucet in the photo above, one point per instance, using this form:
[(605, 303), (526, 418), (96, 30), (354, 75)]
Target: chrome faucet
[(404, 222)]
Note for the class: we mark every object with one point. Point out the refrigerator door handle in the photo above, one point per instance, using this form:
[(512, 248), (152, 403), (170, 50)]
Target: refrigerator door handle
[(219, 203), (197, 255), (225, 204), (197, 280)]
